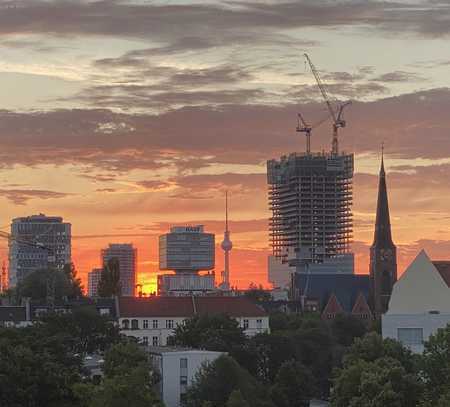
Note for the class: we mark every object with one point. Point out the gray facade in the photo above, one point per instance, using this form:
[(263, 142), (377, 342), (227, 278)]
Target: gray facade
[(186, 249), (49, 245), (127, 256), (310, 196)]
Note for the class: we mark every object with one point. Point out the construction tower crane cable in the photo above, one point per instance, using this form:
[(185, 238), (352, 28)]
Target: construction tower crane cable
[(304, 127), (338, 121)]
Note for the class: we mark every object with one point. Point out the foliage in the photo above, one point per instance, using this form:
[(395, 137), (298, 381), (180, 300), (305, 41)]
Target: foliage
[(257, 293), (268, 352), (436, 366), (109, 284), (377, 372), (294, 385), (345, 328), (35, 374), (215, 382), (372, 347), (210, 332), (236, 400), (85, 329), (41, 284), (132, 387), (383, 382)]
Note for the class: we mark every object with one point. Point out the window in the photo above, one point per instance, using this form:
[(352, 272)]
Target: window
[(145, 340), (125, 324), (183, 375), (245, 323), (155, 324), (259, 323), (134, 324), (145, 323), (155, 341), (169, 323), (410, 336)]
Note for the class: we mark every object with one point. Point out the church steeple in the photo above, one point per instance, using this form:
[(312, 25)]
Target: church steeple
[(382, 235), (383, 253)]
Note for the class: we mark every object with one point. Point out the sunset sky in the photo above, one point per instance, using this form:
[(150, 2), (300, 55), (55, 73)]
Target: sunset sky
[(126, 117)]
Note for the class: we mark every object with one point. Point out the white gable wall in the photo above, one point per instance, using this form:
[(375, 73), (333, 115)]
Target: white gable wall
[(419, 305), (420, 289)]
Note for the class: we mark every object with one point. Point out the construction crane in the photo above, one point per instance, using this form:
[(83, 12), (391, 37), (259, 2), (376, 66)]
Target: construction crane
[(337, 117), (303, 127)]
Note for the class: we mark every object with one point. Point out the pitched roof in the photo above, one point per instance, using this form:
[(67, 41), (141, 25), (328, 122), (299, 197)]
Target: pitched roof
[(186, 307), (16, 314), (333, 306), (346, 287), (444, 270), (361, 306)]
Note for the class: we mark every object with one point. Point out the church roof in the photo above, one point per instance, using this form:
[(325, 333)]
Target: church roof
[(346, 287)]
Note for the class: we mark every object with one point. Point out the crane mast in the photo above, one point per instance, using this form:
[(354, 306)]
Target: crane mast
[(338, 121)]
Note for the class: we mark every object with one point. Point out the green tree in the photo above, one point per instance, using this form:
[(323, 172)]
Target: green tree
[(294, 385), (109, 284), (236, 400), (130, 388), (436, 365), (34, 376), (267, 352), (84, 328), (381, 383), (124, 357), (215, 382), (372, 347), (210, 332), (41, 284), (75, 284), (345, 328)]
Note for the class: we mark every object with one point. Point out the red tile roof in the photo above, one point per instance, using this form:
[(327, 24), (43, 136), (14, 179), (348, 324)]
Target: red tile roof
[(186, 307), (444, 270)]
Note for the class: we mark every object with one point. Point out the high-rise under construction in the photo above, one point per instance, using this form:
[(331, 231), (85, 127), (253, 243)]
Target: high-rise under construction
[(310, 196)]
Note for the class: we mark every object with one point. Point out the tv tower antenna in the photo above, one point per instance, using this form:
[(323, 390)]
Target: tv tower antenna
[(226, 245)]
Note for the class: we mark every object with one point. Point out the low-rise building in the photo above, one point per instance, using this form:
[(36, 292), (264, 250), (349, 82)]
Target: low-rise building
[(177, 368), (152, 320), (419, 304)]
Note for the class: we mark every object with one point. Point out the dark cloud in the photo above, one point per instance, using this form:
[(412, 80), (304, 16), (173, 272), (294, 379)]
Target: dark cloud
[(184, 27), (22, 196), (192, 138), (398, 76)]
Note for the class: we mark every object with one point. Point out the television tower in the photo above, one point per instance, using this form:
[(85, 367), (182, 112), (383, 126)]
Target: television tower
[(226, 245)]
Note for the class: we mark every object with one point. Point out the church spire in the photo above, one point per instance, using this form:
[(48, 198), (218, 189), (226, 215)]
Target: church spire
[(382, 236)]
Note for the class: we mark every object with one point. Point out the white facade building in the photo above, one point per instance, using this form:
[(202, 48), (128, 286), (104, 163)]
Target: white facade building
[(178, 368), (50, 246), (153, 320), (127, 256), (420, 303), (185, 284)]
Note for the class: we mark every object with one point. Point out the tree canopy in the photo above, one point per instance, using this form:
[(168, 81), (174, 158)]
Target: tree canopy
[(109, 284)]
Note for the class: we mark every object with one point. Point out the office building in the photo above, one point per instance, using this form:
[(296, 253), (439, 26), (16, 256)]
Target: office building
[(126, 254), (93, 280), (419, 303), (383, 253), (310, 196), (186, 250), (38, 242)]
